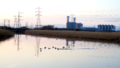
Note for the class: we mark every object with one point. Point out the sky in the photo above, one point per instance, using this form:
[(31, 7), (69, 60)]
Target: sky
[(88, 12)]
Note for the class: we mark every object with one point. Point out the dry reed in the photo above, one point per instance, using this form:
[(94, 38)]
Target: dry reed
[(77, 34), (5, 32)]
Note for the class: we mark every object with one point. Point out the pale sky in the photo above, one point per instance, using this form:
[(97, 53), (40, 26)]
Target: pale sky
[(88, 12)]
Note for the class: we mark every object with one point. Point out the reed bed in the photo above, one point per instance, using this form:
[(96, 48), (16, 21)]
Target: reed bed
[(78, 34), (5, 34)]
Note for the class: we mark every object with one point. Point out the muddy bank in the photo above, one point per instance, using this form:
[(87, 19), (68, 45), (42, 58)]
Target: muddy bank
[(106, 36), (5, 34)]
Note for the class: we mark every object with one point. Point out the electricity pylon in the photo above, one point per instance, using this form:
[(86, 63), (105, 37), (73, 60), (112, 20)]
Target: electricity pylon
[(8, 20), (15, 21), (18, 24), (38, 17), (72, 18)]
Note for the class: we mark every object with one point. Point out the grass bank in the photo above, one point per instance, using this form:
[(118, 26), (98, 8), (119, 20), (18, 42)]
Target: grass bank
[(108, 36), (4, 34)]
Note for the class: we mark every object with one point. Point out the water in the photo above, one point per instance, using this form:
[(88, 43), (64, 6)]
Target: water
[(40, 52)]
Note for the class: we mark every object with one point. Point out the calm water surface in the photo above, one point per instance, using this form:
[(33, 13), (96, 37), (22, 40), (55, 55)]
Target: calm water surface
[(40, 52)]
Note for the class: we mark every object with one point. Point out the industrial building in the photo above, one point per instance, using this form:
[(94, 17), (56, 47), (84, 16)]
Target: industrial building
[(106, 27), (73, 25)]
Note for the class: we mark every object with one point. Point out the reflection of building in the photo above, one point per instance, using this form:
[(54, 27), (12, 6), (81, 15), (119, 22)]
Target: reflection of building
[(67, 42)]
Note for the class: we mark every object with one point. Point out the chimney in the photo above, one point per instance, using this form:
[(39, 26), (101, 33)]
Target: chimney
[(74, 19), (67, 18)]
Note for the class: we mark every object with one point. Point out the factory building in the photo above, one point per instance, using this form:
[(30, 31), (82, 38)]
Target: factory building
[(106, 27), (79, 25), (73, 25)]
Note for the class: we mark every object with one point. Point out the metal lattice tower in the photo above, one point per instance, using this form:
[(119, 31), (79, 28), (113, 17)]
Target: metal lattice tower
[(15, 21), (4, 22), (8, 22), (26, 24), (72, 18), (18, 24), (38, 17)]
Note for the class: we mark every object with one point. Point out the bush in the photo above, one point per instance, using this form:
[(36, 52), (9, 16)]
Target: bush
[(77, 29)]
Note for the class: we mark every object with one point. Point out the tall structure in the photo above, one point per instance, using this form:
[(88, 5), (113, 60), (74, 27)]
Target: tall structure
[(72, 18), (26, 24), (38, 17), (4, 22), (18, 24), (73, 25), (15, 21), (106, 27), (8, 22)]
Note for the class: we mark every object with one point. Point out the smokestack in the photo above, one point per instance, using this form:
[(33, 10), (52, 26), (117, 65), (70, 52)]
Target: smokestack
[(67, 18), (74, 19)]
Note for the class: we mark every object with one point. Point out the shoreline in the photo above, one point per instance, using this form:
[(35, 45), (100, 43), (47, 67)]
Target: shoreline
[(102, 36), (5, 34)]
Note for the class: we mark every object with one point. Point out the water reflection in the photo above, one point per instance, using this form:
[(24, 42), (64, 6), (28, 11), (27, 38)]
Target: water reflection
[(52, 53), (17, 40), (37, 46)]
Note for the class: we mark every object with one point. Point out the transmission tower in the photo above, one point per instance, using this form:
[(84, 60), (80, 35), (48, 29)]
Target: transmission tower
[(26, 24), (4, 22), (18, 24), (8, 22), (38, 17), (72, 18), (15, 21)]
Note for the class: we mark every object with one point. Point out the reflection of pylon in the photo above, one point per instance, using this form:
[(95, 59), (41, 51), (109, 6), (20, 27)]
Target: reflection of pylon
[(37, 47), (17, 40), (38, 17)]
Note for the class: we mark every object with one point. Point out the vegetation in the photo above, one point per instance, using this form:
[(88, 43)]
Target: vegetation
[(4, 34), (77, 29), (111, 36)]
